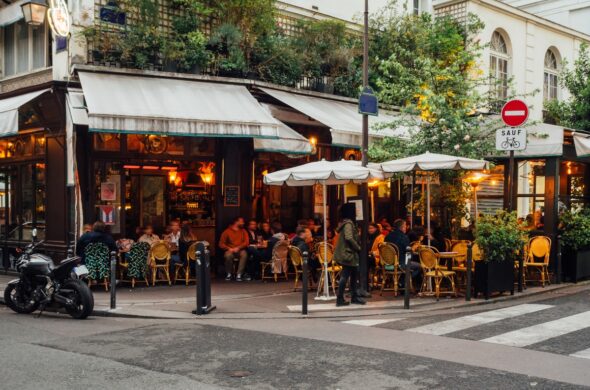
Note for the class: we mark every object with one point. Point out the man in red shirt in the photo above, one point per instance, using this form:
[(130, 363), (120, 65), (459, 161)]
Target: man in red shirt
[(234, 241)]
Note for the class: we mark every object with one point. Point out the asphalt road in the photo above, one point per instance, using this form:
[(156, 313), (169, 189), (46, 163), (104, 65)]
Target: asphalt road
[(56, 352)]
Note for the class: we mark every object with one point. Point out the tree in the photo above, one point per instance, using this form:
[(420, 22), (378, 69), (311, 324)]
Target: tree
[(430, 72), (575, 112)]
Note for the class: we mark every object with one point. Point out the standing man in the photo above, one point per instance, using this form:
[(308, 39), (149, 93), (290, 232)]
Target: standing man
[(234, 241)]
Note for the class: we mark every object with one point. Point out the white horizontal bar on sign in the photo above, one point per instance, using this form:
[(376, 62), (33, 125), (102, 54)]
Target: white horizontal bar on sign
[(541, 332), (466, 322), (514, 113)]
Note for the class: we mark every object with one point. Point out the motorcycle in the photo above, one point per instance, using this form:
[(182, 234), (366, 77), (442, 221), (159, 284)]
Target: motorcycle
[(41, 284)]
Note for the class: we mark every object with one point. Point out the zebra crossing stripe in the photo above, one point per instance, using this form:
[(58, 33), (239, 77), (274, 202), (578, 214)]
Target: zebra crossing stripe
[(466, 322), (585, 354), (370, 322), (541, 332)]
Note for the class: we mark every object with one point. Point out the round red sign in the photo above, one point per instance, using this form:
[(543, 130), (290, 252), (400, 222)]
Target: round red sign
[(515, 113)]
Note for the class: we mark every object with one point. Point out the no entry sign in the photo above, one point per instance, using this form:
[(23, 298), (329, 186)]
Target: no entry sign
[(515, 113)]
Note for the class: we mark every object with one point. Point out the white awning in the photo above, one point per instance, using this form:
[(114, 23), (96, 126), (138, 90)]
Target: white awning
[(133, 104), (9, 111), (289, 142), (543, 140), (11, 13), (582, 144), (76, 107), (342, 118)]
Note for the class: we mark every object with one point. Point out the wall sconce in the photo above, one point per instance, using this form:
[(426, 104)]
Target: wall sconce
[(314, 144), (34, 12), (206, 173)]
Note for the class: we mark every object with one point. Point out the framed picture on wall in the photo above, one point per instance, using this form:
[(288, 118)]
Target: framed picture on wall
[(108, 191), (358, 203), (232, 196)]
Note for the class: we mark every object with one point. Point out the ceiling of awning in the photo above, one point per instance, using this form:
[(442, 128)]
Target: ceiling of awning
[(9, 111), (134, 104)]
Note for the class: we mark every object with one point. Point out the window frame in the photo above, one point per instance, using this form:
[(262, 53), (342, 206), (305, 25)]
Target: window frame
[(31, 54), (498, 58), (550, 78)]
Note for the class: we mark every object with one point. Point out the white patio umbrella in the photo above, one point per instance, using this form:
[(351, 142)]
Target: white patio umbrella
[(325, 173), (431, 162)]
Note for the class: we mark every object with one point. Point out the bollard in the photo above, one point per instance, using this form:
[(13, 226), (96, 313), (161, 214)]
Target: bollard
[(559, 271), (407, 279), (520, 272), (469, 265), (199, 281), (113, 280), (305, 281), (203, 275)]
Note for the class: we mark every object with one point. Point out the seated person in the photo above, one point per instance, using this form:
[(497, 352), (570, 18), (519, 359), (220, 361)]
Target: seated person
[(304, 241), (172, 239), (399, 238), (149, 236), (265, 231), (255, 249), (374, 238), (187, 237), (437, 239), (98, 234), (234, 241)]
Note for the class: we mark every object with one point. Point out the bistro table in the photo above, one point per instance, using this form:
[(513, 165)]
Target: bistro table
[(449, 257)]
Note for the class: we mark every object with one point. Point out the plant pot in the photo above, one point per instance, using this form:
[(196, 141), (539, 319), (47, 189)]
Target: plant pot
[(493, 276), (576, 264)]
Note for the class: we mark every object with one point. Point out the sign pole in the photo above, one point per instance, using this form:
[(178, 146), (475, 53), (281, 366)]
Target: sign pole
[(510, 180)]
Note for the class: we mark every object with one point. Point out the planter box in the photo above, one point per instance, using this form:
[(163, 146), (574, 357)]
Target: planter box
[(495, 276), (576, 265)]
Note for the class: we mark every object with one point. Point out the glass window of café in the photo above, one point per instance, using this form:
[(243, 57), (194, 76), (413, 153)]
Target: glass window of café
[(573, 185), (530, 197), (22, 186), (160, 180)]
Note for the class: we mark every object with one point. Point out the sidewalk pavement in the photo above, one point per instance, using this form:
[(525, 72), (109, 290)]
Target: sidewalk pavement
[(258, 300)]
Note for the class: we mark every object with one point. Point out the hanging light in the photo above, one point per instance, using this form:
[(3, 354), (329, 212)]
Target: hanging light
[(34, 12)]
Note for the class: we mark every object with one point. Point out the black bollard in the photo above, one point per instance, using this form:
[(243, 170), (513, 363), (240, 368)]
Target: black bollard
[(113, 280), (407, 278), (203, 275), (520, 272), (559, 276), (199, 281), (305, 281), (469, 265)]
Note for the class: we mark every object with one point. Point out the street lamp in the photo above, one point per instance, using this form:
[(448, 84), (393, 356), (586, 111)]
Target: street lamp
[(34, 12), (474, 180)]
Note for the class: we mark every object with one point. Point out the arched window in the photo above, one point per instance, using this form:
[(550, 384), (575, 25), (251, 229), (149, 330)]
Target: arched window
[(499, 58), (550, 80)]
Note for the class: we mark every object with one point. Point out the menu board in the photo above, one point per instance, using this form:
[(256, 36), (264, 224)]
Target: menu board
[(232, 196)]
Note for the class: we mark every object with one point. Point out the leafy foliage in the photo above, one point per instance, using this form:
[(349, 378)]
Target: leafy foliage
[(275, 60), (574, 113), (499, 236), (576, 229)]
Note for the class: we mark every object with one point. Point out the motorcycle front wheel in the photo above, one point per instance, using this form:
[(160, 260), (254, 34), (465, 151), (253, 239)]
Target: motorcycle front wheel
[(82, 299), (20, 304)]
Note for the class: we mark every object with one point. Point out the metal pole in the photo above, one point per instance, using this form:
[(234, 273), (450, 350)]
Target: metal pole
[(428, 207), (469, 265), (475, 196), (305, 281), (326, 288), (510, 180), (408, 278), (559, 264), (113, 280), (412, 201)]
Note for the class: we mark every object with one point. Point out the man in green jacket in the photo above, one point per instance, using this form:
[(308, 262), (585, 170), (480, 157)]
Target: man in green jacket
[(346, 254)]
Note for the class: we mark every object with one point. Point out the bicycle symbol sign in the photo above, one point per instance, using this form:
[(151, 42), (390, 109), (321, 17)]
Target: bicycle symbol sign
[(511, 139)]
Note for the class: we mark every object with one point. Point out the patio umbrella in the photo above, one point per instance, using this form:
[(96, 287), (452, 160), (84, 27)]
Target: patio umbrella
[(431, 162), (325, 173)]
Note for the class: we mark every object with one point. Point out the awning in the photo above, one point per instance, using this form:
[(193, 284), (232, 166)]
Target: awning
[(11, 13), (9, 111), (543, 140), (133, 104), (582, 144), (76, 107), (342, 118), (289, 142)]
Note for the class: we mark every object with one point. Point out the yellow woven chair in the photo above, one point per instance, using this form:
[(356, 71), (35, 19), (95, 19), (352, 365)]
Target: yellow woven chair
[(297, 261), (448, 245), (191, 256), (277, 263), (390, 268), (432, 271), (539, 248), (160, 262), (322, 249)]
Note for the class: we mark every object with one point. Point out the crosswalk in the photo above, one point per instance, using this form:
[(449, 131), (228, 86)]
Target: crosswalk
[(492, 321)]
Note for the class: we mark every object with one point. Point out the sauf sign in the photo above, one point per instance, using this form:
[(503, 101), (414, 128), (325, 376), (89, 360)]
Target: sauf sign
[(511, 139)]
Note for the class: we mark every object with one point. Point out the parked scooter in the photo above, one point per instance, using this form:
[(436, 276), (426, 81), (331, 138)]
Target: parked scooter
[(41, 284)]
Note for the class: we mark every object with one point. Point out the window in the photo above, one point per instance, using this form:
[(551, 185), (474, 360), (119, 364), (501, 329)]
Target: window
[(499, 58), (416, 7), (550, 81), (531, 192), (25, 48)]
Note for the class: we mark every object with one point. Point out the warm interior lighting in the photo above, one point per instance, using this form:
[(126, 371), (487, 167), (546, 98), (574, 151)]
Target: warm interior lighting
[(206, 172), (131, 166), (476, 178), (34, 12), (374, 183), (265, 172), (150, 167), (172, 177), (168, 168), (313, 141)]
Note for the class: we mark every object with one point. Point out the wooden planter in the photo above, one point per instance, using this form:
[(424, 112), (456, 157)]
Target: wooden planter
[(493, 276), (576, 264)]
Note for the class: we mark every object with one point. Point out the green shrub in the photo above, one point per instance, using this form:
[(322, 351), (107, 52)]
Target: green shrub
[(576, 229), (499, 236)]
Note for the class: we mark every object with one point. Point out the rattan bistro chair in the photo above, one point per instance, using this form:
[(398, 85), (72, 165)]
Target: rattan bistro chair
[(433, 272), (185, 268), (297, 260), (96, 256), (135, 262), (323, 249), (278, 263), (539, 248), (390, 268), (160, 262)]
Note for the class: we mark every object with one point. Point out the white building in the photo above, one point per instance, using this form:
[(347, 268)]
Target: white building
[(570, 13)]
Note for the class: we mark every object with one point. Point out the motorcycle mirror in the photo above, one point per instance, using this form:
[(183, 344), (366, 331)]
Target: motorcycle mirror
[(35, 233)]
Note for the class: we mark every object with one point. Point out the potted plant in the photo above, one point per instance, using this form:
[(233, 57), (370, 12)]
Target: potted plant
[(501, 240), (575, 226)]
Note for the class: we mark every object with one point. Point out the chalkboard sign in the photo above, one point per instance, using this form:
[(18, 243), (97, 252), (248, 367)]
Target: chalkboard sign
[(232, 196)]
